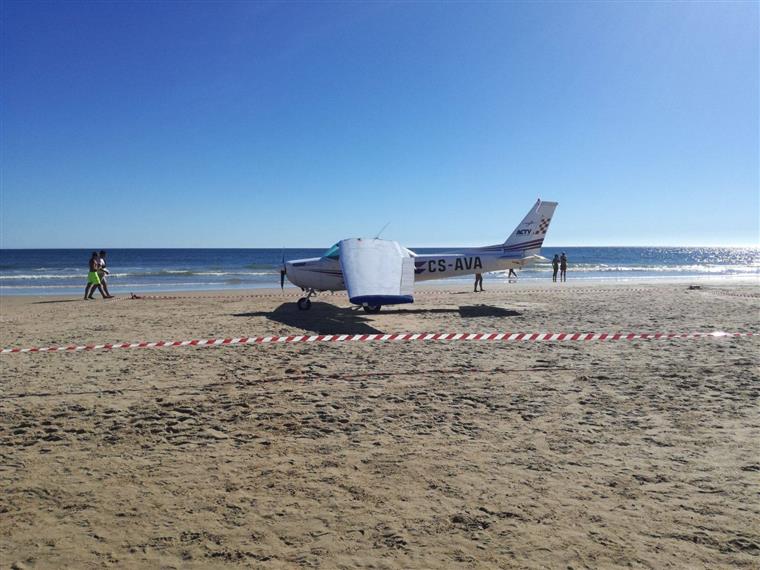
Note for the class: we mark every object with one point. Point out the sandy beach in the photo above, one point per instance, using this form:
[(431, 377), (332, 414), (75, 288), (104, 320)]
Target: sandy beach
[(384, 455)]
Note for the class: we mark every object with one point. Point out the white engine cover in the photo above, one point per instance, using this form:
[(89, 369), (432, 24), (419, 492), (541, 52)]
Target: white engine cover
[(377, 272)]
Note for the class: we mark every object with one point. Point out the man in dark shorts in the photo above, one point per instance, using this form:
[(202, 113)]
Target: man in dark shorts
[(563, 267), (478, 281), (93, 280), (555, 267)]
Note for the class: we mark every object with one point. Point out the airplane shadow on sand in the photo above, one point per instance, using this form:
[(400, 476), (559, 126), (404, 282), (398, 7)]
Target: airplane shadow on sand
[(324, 318)]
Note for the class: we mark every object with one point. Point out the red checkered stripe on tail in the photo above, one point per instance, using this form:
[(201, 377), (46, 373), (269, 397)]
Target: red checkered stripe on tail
[(542, 227)]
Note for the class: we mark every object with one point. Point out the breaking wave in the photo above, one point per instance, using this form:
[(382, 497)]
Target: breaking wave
[(655, 269)]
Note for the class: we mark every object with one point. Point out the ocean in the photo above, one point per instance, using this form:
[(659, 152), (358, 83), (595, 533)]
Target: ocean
[(64, 271)]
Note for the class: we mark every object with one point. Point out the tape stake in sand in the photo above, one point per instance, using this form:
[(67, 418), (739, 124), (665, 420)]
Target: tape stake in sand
[(503, 337)]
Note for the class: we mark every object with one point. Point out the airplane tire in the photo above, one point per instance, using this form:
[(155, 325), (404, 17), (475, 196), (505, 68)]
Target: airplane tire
[(304, 304), (372, 308)]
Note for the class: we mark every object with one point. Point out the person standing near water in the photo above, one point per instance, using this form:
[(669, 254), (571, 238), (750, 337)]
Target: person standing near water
[(563, 267), (555, 267), (478, 280)]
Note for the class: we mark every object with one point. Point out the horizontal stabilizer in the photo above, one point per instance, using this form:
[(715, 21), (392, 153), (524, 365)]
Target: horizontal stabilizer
[(535, 258)]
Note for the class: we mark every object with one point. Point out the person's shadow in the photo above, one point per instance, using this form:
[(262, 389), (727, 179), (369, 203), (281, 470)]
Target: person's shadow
[(324, 318)]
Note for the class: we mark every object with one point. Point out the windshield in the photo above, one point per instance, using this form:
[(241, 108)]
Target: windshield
[(332, 253)]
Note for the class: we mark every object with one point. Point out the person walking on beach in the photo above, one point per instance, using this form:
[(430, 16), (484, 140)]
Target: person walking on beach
[(478, 281), (93, 280), (563, 267), (555, 267), (102, 272), (511, 275)]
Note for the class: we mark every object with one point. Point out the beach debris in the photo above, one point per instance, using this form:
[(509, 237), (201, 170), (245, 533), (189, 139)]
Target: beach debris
[(469, 522), (215, 434)]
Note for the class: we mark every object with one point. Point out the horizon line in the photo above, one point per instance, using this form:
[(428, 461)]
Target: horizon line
[(745, 246)]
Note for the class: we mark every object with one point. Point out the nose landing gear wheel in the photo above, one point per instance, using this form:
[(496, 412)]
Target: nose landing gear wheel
[(372, 309), (304, 303)]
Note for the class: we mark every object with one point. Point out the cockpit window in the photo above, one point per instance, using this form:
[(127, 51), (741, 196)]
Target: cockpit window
[(333, 252)]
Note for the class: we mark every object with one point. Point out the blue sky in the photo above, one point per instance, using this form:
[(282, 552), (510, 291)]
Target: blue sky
[(241, 124)]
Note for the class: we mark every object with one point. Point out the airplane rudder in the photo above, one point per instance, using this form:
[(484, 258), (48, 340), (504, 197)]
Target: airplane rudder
[(531, 231)]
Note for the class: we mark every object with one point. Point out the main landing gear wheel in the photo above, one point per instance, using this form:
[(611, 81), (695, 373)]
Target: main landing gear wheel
[(372, 308), (304, 303)]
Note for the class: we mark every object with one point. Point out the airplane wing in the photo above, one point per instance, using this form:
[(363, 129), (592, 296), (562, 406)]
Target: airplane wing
[(377, 272)]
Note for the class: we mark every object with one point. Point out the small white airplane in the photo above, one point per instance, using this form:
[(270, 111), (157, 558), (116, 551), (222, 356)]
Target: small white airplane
[(378, 272)]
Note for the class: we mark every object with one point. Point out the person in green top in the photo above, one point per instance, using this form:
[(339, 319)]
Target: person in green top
[(93, 279)]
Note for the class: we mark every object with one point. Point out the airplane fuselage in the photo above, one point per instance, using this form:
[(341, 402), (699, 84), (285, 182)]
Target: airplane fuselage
[(324, 274)]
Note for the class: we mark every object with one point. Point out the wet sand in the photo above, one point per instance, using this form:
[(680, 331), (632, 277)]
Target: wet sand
[(384, 455)]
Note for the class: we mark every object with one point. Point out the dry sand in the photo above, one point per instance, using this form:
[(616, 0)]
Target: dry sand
[(419, 455)]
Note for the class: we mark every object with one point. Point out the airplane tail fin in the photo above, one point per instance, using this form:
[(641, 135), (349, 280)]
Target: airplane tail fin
[(529, 235)]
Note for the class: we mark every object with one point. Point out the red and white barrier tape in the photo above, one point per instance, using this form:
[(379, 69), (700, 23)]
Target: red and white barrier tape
[(506, 337), (724, 293), (422, 293), (419, 293), (284, 294), (135, 297)]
